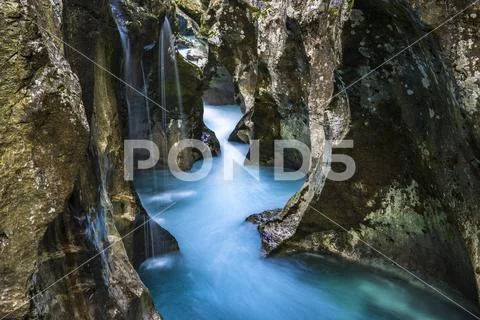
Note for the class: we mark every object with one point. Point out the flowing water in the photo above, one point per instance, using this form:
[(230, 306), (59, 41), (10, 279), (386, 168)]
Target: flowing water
[(168, 76), (134, 75), (136, 92), (220, 273)]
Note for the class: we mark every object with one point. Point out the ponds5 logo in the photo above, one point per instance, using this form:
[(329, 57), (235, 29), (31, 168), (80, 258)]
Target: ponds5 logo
[(234, 158)]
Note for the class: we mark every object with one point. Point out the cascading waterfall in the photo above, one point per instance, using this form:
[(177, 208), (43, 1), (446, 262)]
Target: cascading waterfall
[(162, 80), (168, 75), (125, 40), (140, 125), (150, 226)]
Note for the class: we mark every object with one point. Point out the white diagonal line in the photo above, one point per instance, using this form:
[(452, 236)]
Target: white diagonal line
[(99, 66), (330, 100), (88, 260), (400, 52), (396, 264)]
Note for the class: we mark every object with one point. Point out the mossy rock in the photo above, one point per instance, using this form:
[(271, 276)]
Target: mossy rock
[(192, 8)]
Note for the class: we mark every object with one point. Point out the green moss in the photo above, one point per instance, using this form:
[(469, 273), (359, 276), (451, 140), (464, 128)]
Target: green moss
[(335, 11), (137, 17), (192, 8), (351, 3), (205, 31), (258, 13)]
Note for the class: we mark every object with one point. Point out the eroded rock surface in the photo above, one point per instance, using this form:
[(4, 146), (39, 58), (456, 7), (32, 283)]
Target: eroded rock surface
[(414, 124), (44, 134), (414, 195), (281, 56), (64, 204)]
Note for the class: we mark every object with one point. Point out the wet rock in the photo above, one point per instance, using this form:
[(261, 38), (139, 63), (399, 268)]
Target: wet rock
[(460, 43), (231, 35), (210, 139), (64, 204), (220, 89), (43, 137), (151, 240), (263, 217), (243, 130), (193, 9), (414, 193), (272, 71)]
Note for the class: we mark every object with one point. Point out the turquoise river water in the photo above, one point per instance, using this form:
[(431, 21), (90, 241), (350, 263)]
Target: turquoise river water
[(220, 272)]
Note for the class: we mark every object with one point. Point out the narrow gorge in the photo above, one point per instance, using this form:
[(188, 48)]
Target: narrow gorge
[(239, 159)]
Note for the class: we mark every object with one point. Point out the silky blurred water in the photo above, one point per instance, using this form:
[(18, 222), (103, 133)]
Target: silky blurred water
[(220, 273)]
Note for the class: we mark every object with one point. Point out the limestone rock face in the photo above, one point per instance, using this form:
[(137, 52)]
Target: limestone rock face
[(414, 195), (460, 45), (413, 122), (231, 34), (271, 49), (220, 89), (64, 204), (284, 73), (44, 135), (193, 8)]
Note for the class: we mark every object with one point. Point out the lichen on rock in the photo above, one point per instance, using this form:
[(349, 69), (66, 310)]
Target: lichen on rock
[(414, 192), (63, 195)]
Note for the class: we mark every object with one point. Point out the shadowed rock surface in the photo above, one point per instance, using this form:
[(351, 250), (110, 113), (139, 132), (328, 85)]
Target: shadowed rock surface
[(414, 195), (64, 204), (414, 123), (44, 136)]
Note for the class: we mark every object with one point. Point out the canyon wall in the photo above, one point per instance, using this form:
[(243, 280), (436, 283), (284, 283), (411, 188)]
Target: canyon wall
[(413, 123), (414, 195), (64, 205), (38, 92)]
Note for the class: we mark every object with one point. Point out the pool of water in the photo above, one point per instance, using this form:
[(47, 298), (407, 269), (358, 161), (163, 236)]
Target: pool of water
[(220, 273)]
